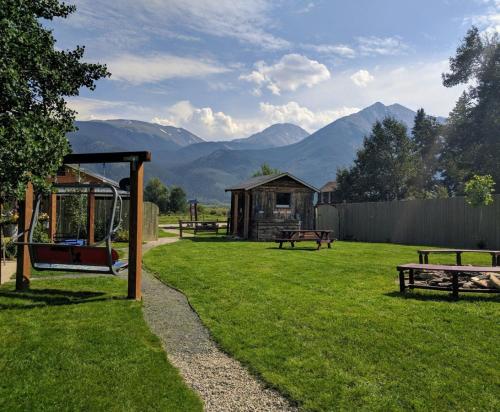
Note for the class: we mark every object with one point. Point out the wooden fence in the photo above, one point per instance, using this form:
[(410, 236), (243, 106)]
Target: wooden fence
[(434, 222)]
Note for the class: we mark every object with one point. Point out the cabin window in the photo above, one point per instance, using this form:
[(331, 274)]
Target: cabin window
[(283, 200)]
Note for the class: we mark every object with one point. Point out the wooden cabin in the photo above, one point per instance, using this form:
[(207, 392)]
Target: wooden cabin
[(264, 205)]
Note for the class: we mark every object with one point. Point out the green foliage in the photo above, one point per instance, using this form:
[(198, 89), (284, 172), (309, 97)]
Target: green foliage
[(178, 201), (74, 210), (121, 235), (35, 77), (10, 250), (427, 140), (472, 134), (384, 168), (479, 190), (86, 348), (157, 193), (329, 328), (266, 170)]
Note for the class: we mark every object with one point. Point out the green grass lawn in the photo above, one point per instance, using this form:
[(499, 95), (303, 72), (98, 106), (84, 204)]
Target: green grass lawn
[(162, 233), (330, 330), (79, 345)]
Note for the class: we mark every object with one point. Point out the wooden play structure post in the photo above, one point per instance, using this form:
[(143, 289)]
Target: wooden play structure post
[(52, 216), (136, 160), (135, 232), (23, 272), (91, 217)]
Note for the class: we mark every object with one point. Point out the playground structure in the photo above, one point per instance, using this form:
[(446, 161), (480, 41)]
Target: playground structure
[(85, 256)]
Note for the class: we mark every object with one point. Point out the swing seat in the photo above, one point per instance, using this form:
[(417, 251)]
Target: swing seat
[(75, 258)]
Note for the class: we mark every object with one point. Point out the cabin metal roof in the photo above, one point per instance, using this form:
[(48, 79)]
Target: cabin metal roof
[(261, 180)]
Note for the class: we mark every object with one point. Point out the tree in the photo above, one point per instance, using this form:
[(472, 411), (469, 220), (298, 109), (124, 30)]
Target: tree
[(178, 201), (34, 79), (266, 170), (427, 140), (157, 193), (384, 168), (479, 190), (472, 136)]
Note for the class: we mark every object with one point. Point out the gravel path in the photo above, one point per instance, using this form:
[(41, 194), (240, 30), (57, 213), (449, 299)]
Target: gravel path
[(222, 383)]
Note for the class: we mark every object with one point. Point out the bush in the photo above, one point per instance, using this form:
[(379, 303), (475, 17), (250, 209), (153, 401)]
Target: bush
[(10, 250), (479, 190), (121, 235)]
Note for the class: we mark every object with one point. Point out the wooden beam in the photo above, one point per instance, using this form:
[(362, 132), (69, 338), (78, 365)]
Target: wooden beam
[(246, 215), (135, 230), (52, 216), (112, 157), (235, 214), (91, 217), (23, 271)]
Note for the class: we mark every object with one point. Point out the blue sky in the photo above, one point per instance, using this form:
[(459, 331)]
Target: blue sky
[(228, 68)]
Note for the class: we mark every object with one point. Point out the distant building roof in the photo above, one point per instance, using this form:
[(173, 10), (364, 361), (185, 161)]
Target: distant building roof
[(329, 186), (260, 180)]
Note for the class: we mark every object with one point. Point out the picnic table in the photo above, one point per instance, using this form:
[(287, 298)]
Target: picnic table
[(199, 226), (455, 271), (293, 236), (423, 254)]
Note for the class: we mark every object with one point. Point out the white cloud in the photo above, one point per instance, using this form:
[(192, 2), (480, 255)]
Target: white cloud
[(147, 69), (206, 122), (288, 74), (244, 20), (292, 112), (361, 78), (415, 85), (96, 109), (341, 50), (384, 46), (216, 125), (489, 22)]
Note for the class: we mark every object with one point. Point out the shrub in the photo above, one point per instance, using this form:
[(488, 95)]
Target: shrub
[(479, 190)]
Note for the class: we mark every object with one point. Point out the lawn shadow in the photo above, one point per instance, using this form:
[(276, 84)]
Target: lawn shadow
[(35, 298), (444, 297)]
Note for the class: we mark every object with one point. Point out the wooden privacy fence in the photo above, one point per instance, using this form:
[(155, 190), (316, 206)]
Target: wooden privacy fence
[(435, 222)]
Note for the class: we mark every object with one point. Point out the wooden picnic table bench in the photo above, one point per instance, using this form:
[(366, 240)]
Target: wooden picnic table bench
[(199, 226), (455, 271), (423, 254), (293, 236)]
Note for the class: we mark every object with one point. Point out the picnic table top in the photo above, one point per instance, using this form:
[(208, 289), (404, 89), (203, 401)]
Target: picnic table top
[(449, 268), (458, 251)]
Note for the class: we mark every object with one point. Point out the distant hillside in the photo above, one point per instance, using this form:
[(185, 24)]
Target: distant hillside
[(277, 135), (204, 169), (314, 159), (116, 135)]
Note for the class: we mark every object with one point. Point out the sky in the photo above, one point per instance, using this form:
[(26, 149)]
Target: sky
[(228, 68)]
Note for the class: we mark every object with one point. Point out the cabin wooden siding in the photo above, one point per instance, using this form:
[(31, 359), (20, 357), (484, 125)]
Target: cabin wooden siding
[(266, 220)]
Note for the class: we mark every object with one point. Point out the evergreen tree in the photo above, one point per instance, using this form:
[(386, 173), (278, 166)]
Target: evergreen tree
[(427, 139), (472, 136), (384, 168), (157, 193), (35, 76)]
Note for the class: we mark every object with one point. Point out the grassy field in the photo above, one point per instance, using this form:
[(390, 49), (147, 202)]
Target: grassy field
[(206, 213), (79, 345), (330, 330)]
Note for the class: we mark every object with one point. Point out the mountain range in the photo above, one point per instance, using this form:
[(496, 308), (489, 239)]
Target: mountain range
[(204, 169)]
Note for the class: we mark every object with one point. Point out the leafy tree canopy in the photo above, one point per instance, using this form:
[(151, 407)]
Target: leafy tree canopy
[(178, 201), (266, 170), (384, 168), (157, 193), (479, 190), (35, 77)]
